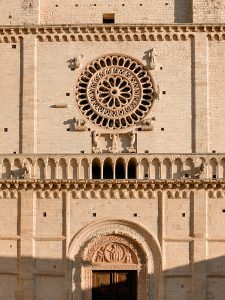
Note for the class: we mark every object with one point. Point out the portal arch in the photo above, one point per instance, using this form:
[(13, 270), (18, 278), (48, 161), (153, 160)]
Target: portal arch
[(134, 248)]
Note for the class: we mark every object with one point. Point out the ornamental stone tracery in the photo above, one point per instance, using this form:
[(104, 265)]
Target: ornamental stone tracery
[(115, 92)]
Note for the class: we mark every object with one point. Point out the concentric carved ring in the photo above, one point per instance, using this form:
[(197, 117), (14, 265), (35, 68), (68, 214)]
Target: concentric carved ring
[(115, 92)]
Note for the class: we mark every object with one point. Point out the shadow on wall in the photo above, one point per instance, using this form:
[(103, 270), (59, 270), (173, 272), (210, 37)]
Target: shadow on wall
[(49, 279), (183, 11)]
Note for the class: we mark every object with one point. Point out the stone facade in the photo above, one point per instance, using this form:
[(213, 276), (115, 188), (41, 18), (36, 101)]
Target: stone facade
[(112, 152)]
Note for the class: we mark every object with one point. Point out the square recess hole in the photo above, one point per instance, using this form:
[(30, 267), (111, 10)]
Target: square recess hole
[(108, 18)]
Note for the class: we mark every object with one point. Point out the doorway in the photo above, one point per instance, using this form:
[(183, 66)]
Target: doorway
[(114, 285)]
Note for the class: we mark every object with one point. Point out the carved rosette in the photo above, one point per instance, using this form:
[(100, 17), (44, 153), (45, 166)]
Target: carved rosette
[(115, 92)]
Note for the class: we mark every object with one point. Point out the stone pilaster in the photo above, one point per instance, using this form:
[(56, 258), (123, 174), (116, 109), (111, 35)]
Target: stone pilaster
[(26, 245), (28, 95), (200, 102), (200, 245)]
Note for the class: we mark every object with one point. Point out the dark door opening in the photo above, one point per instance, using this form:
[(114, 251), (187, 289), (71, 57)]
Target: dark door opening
[(114, 285)]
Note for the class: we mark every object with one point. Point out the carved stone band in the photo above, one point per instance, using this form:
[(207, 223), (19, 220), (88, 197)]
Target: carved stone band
[(115, 92)]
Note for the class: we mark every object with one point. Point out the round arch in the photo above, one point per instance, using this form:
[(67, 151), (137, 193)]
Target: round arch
[(131, 236)]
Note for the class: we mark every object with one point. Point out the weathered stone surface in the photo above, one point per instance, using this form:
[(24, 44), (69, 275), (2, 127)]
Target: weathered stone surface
[(111, 147)]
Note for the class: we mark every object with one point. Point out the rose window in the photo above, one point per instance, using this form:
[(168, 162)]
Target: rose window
[(115, 92)]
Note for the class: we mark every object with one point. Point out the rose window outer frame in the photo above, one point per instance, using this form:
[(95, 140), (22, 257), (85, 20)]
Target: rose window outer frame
[(115, 91)]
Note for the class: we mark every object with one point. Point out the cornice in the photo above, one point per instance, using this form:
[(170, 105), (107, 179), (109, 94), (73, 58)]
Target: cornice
[(100, 32), (126, 28), (143, 185)]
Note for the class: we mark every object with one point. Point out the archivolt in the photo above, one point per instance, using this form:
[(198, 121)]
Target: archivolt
[(124, 228)]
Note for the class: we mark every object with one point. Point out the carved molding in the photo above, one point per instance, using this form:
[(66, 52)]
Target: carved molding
[(216, 194), (8, 194), (88, 187), (171, 194), (102, 33)]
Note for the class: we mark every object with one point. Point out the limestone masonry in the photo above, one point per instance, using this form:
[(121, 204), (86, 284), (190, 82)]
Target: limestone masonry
[(112, 150)]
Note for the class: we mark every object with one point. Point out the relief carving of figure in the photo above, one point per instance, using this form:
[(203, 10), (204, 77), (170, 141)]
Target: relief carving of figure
[(79, 124), (114, 253), (156, 94), (202, 170), (152, 60), (147, 124), (26, 170), (78, 60), (74, 63), (131, 148), (96, 142), (114, 138), (128, 258), (132, 139), (100, 256)]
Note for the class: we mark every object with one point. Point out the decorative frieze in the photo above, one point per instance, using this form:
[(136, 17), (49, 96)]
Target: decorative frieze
[(84, 186), (103, 33)]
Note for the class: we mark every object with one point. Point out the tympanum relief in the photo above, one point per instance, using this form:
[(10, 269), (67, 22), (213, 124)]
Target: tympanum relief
[(112, 250), (114, 253)]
